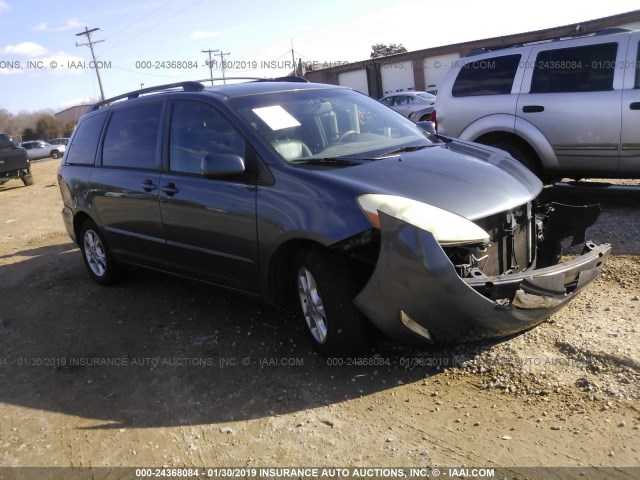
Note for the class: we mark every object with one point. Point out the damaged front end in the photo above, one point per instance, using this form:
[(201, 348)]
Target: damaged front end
[(424, 288)]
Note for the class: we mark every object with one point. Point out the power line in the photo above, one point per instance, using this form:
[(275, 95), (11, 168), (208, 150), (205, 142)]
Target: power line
[(122, 17), (134, 23), (90, 44), (144, 30)]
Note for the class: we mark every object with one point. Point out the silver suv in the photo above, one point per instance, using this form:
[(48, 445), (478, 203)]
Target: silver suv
[(564, 107)]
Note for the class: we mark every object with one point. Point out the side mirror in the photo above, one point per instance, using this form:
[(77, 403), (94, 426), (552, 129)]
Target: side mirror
[(222, 165), (427, 127)]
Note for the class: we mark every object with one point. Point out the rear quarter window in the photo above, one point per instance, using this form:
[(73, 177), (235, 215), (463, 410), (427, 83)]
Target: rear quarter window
[(489, 76), (82, 151)]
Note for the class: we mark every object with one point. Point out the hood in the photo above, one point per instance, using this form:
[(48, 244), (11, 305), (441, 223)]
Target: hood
[(464, 178)]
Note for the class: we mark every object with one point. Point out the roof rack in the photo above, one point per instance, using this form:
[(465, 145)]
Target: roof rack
[(289, 78), (191, 86), (604, 31), (610, 30), (186, 87)]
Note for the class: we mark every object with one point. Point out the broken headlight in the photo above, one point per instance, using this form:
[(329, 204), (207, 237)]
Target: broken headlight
[(448, 228)]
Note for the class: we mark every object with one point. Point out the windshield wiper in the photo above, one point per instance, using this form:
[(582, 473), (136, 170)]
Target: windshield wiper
[(408, 148), (326, 161)]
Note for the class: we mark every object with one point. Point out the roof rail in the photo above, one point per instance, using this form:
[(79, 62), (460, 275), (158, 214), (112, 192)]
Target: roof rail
[(604, 31), (186, 87), (289, 78), (481, 50), (190, 86), (610, 30)]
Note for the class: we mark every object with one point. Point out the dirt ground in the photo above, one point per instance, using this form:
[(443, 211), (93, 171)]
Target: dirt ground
[(160, 371)]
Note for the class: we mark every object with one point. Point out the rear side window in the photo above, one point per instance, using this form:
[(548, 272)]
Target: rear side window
[(577, 69), (491, 76), (132, 137), (82, 150)]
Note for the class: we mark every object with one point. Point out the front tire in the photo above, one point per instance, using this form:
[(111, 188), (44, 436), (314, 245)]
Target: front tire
[(326, 289), (101, 265), (27, 180)]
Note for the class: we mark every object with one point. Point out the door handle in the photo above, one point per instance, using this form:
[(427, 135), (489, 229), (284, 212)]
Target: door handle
[(148, 186), (533, 108), (170, 189), (634, 106)]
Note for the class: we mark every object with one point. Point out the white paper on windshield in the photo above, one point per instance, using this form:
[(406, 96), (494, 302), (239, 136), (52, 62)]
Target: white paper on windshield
[(276, 117)]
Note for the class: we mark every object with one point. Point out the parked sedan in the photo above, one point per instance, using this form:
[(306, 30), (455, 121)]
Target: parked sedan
[(416, 106), (40, 149)]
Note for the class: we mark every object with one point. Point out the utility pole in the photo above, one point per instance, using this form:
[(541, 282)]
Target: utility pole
[(222, 55), (210, 62), (90, 44)]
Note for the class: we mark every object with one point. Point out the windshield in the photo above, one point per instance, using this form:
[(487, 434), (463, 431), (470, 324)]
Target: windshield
[(311, 124)]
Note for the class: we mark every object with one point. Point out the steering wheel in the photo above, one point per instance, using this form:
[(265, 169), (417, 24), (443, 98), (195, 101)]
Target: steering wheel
[(345, 135)]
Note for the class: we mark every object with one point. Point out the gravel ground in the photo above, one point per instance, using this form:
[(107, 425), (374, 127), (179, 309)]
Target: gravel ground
[(564, 394)]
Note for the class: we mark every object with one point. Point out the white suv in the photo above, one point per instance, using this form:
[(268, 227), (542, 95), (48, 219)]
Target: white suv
[(564, 107)]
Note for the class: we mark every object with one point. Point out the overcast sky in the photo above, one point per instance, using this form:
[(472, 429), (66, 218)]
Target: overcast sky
[(38, 35)]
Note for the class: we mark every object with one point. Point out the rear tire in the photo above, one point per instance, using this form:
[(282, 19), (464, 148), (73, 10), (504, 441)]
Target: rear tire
[(56, 154), (27, 180), (326, 288), (101, 265)]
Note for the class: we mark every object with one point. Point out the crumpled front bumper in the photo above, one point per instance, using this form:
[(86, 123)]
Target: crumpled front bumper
[(415, 292)]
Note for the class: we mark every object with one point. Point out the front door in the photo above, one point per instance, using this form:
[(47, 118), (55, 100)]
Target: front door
[(209, 224)]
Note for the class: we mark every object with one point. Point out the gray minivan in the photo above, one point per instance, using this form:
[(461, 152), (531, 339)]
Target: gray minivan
[(563, 107), (322, 196)]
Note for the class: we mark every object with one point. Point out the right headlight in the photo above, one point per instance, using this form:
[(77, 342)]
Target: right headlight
[(447, 228)]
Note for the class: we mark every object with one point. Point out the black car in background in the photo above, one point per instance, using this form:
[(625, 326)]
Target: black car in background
[(14, 163), (292, 191)]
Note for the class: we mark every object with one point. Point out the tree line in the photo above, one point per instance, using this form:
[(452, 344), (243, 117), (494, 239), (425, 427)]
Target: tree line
[(40, 125)]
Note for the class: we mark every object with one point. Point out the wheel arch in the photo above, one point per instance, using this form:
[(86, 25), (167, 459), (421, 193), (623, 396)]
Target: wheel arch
[(514, 129), (278, 289), (500, 122), (78, 219), (360, 252), (495, 138)]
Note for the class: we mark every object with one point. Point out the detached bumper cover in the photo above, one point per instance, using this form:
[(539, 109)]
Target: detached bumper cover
[(416, 294)]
